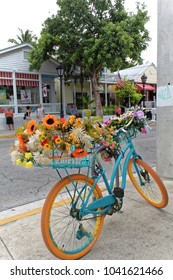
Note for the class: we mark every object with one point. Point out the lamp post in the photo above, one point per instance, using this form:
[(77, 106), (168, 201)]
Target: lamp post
[(60, 71), (143, 79)]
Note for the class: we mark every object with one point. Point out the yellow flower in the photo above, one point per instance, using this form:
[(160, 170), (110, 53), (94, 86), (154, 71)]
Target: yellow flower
[(78, 122), (67, 146), (18, 162), (28, 155), (50, 121), (46, 146), (29, 164), (42, 136), (58, 141)]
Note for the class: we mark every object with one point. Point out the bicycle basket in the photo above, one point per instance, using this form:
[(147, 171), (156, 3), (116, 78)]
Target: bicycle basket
[(121, 137), (58, 160)]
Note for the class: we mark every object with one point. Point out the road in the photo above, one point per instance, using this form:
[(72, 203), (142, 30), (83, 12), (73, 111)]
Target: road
[(19, 186)]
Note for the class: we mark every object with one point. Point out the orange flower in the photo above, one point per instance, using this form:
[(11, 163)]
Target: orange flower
[(50, 121), (21, 143), (79, 153), (78, 122), (31, 127)]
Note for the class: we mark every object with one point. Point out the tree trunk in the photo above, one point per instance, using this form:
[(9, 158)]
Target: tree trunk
[(99, 111)]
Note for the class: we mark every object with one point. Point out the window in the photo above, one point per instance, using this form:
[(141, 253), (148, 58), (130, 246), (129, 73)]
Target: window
[(25, 55)]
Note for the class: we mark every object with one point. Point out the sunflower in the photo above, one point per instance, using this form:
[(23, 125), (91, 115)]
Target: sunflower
[(50, 121), (31, 127), (58, 140), (47, 146)]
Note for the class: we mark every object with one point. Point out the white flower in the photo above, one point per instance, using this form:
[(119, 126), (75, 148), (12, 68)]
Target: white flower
[(42, 158), (15, 155), (81, 136), (34, 142)]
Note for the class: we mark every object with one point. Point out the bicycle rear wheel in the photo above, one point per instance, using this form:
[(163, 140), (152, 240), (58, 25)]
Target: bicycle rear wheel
[(150, 187), (64, 234)]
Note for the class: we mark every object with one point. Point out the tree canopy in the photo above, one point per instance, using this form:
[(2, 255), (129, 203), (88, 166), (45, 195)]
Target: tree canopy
[(24, 37), (89, 35)]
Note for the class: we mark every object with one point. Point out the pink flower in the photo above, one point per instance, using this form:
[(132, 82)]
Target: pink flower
[(107, 159), (143, 130), (140, 114)]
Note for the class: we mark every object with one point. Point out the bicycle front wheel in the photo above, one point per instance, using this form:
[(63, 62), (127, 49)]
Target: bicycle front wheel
[(65, 235), (147, 183)]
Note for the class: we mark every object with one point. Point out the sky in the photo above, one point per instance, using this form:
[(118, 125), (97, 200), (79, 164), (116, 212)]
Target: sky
[(31, 15)]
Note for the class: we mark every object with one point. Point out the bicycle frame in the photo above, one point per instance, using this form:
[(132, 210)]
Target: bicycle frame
[(104, 204)]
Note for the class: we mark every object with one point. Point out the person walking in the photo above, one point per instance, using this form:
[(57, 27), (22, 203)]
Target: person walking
[(9, 118), (27, 113), (40, 113)]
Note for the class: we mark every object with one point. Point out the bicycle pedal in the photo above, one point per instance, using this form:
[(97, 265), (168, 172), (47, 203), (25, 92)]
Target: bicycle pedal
[(118, 192)]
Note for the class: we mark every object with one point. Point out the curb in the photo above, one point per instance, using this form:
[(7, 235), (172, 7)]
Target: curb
[(8, 136)]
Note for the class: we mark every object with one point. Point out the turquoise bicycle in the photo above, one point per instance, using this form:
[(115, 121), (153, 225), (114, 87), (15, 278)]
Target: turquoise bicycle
[(74, 210)]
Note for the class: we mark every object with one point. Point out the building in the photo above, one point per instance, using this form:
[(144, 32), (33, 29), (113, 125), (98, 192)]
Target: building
[(108, 82), (20, 87)]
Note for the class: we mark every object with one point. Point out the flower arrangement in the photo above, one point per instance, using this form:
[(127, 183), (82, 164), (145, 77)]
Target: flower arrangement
[(112, 141), (139, 123), (37, 144)]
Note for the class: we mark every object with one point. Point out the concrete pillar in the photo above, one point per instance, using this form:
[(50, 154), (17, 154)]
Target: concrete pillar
[(165, 89)]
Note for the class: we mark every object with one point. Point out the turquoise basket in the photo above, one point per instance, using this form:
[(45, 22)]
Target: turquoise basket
[(122, 137), (69, 162)]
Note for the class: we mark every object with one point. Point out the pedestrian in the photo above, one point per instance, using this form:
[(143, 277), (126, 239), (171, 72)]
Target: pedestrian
[(9, 118), (27, 113), (118, 111), (40, 113), (74, 110)]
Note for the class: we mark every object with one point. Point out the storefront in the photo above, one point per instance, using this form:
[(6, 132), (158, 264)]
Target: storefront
[(20, 88)]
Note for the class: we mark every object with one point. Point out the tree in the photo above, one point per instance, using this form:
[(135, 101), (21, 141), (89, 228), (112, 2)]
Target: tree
[(90, 35), (24, 37), (127, 95)]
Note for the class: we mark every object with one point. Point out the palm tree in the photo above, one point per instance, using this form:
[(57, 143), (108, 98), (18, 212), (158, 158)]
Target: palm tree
[(25, 37)]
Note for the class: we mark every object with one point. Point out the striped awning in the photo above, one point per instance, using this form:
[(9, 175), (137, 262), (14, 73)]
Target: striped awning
[(6, 78), (146, 87), (27, 83), (6, 82), (27, 80), (22, 79)]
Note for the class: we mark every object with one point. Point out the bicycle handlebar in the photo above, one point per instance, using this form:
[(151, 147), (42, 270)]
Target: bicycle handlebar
[(123, 129)]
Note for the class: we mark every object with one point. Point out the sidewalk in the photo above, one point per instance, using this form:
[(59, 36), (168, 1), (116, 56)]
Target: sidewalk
[(138, 232), (7, 133)]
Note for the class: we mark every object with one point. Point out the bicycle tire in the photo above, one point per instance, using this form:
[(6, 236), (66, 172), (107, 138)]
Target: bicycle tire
[(61, 232), (153, 190)]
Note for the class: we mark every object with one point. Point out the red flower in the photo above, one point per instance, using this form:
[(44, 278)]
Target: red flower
[(62, 120), (46, 141)]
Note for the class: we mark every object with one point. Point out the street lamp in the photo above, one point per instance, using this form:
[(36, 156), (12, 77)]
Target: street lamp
[(144, 79), (60, 71)]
